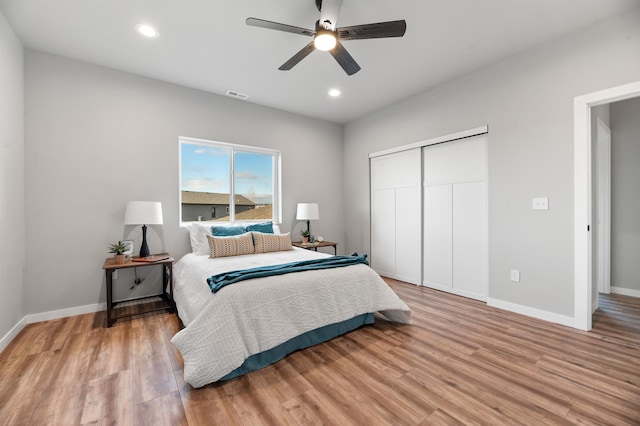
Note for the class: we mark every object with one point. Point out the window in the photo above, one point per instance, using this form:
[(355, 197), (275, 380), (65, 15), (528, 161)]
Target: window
[(244, 181)]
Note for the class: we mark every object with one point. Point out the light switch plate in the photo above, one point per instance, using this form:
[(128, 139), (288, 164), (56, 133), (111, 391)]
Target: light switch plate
[(515, 275), (541, 203)]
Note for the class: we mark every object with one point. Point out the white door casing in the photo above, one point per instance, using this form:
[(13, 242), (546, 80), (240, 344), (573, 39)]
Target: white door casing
[(582, 176)]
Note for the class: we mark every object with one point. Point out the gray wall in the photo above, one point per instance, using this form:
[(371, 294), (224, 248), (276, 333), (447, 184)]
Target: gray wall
[(97, 138), (12, 230), (625, 197), (527, 101)]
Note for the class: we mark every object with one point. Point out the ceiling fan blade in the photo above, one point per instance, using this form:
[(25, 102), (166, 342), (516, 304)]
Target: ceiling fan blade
[(329, 11), (346, 61), (298, 57), (255, 22), (377, 30)]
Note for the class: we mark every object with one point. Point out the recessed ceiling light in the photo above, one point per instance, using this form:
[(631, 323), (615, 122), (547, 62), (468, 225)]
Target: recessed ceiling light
[(334, 93), (147, 30)]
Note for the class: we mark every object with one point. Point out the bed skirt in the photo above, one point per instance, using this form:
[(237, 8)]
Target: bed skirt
[(305, 340)]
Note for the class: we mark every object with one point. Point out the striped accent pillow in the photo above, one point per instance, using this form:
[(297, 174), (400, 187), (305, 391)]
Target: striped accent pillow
[(265, 243), (230, 246)]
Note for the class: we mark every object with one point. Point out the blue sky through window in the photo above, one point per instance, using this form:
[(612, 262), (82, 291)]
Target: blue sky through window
[(254, 176), (207, 169)]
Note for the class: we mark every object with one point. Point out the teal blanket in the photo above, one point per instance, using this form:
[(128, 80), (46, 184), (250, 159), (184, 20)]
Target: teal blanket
[(216, 282)]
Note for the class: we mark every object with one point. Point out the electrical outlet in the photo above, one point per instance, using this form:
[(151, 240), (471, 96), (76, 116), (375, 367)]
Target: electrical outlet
[(515, 275), (541, 203)]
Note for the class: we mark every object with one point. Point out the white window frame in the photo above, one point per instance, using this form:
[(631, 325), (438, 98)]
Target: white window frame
[(277, 173)]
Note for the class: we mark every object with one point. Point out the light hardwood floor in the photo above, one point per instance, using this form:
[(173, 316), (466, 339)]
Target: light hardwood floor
[(461, 362)]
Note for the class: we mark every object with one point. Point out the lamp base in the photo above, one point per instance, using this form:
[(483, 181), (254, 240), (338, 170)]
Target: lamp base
[(144, 248)]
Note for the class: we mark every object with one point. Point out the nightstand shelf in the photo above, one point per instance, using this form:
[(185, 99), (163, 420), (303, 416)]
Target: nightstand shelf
[(133, 307), (316, 245)]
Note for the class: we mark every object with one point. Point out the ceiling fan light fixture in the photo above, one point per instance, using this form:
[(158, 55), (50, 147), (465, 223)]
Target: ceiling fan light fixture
[(325, 40)]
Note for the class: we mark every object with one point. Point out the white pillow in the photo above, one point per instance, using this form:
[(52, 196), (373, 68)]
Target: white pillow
[(198, 237)]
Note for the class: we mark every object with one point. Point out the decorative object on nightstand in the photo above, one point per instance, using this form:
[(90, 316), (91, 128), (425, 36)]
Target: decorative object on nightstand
[(128, 253), (308, 211), (305, 236), (118, 252), (143, 213)]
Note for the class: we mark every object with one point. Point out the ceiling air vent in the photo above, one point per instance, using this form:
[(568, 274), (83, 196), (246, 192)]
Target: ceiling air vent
[(237, 95)]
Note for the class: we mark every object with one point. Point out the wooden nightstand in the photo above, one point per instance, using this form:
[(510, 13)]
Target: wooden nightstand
[(314, 246), (166, 263)]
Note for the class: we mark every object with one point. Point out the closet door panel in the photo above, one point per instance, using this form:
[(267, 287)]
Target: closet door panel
[(459, 161), (469, 239), (437, 243), (408, 235), (396, 170), (455, 224), (396, 221), (383, 236)]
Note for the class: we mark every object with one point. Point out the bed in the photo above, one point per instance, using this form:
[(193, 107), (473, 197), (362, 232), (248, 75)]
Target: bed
[(253, 323)]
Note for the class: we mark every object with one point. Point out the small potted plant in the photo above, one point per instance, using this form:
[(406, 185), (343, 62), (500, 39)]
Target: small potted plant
[(118, 252), (305, 236)]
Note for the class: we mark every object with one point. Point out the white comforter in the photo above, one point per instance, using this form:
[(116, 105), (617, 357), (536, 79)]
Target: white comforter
[(249, 317)]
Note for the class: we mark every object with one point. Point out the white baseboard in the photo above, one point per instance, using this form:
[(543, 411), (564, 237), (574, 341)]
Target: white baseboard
[(532, 312), (626, 291), (46, 316), (7, 338), (67, 312)]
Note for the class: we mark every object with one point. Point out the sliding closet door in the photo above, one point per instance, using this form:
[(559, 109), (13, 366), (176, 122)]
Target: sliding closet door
[(396, 230), (383, 239), (455, 217), (438, 231)]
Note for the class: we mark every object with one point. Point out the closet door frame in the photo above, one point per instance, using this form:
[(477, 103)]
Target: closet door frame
[(433, 141)]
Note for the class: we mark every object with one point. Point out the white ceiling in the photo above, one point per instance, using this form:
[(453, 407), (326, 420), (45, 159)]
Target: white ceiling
[(205, 44)]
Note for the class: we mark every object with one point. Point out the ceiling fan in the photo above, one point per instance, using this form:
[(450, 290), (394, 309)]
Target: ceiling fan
[(327, 37)]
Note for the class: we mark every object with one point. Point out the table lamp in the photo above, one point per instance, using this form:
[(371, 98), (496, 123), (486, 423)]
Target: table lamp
[(143, 213), (308, 211)]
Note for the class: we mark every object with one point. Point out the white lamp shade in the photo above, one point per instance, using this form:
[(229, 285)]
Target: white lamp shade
[(308, 211), (143, 213)]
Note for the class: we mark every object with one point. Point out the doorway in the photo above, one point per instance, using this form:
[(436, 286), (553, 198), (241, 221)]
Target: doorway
[(583, 203)]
